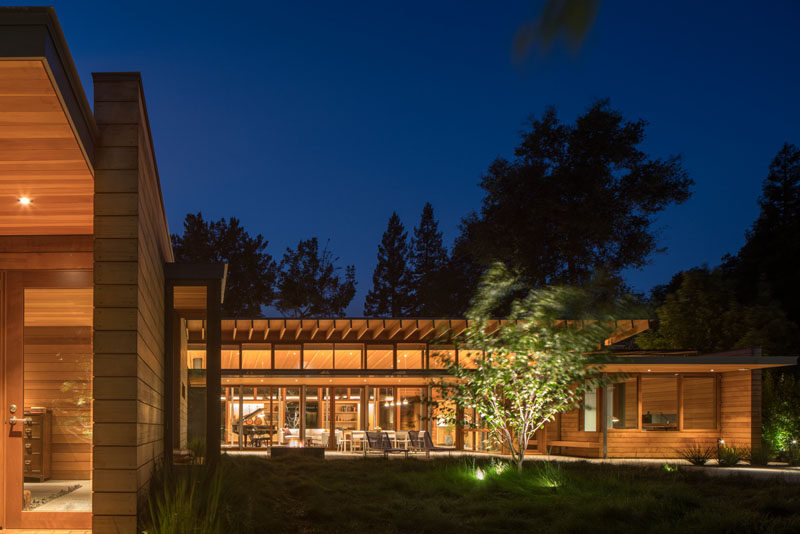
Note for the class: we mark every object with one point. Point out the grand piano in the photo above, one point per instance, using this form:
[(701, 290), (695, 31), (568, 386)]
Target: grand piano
[(255, 428)]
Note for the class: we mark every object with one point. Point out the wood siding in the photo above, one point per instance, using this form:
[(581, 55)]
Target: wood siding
[(131, 246), (738, 420)]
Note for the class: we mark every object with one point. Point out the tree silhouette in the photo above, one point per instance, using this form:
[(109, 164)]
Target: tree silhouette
[(308, 283), (428, 267), (577, 198), (251, 270), (389, 296)]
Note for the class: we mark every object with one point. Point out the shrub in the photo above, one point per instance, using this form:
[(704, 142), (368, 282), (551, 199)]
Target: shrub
[(728, 456), (696, 454), (198, 448), (186, 502), (761, 455)]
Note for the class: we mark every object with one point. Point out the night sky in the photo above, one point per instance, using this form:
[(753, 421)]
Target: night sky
[(319, 121)]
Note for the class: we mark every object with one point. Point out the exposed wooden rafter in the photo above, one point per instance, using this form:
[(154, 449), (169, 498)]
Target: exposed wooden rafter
[(283, 330), (410, 330), (363, 329), (348, 328)]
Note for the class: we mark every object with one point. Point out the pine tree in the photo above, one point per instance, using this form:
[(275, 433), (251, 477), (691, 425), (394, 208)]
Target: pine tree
[(428, 264), (389, 296)]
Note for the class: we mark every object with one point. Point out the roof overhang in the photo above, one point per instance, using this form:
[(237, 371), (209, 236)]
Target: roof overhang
[(46, 127), (701, 364)]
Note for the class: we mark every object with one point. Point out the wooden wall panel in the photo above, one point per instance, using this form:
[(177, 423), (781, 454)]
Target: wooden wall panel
[(131, 247), (738, 421)]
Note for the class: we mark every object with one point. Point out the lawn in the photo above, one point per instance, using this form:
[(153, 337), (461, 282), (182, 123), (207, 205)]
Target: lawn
[(374, 495)]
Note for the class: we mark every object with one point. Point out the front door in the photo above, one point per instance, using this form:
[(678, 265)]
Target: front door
[(47, 413)]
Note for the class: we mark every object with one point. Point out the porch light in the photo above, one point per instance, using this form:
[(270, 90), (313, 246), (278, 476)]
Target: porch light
[(25, 201)]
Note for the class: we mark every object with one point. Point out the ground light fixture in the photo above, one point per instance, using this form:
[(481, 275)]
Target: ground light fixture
[(479, 474)]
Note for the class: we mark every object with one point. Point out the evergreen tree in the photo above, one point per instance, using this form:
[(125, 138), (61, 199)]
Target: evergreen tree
[(428, 267), (389, 296), (251, 270), (763, 262)]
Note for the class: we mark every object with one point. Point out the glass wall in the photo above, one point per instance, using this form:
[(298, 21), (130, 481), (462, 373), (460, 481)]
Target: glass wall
[(256, 356), (411, 408), (444, 431), (56, 400), (410, 356), (622, 404), (287, 356), (318, 356), (380, 357), (660, 403), (348, 356), (699, 402), (438, 356), (381, 414), (317, 416), (589, 411)]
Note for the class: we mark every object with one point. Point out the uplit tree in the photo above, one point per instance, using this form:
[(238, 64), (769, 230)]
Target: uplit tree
[(535, 365)]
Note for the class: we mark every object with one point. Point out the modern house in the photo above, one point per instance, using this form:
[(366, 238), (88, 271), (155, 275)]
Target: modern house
[(113, 357)]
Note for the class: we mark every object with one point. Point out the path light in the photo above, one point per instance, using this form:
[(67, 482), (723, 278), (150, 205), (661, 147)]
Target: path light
[(479, 474)]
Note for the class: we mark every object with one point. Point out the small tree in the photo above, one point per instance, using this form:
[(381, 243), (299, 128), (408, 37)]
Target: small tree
[(534, 366)]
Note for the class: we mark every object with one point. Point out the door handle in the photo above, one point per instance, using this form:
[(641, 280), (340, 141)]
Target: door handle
[(14, 420)]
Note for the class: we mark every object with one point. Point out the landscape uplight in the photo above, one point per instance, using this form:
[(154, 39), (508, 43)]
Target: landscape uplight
[(479, 474)]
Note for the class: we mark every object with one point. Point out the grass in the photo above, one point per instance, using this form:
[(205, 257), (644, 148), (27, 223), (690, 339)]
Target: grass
[(445, 495)]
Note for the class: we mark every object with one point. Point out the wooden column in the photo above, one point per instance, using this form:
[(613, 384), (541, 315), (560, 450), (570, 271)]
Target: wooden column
[(213, 372)]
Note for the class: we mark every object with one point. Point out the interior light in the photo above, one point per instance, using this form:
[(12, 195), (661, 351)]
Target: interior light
[(710, 370), (25, 201)]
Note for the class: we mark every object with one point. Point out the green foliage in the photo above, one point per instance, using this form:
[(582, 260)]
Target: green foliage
[(251, 270), (761, 455), (534, 365), (185, 504), (702, 313), (780, 401), (576, 198), (696, 454), (730, 455), (308, 283), (198, 448), (391, 280)]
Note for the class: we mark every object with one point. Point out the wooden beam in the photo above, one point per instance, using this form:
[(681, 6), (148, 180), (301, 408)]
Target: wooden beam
[(363, 329), (380, 329), (315, 330), (396, 329), (250, 333), (234, 330), (266, 330), (426, 331), (454, 333), (203, 331), (299, 330), (347, 330), (283, 330), (331, 330), (413, 328)]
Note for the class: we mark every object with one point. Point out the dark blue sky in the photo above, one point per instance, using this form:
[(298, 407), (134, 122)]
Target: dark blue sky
[(320, 120)]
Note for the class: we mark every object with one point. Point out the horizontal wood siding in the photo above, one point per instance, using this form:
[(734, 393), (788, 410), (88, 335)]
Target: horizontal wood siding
[(131, 246)]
